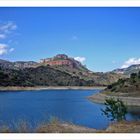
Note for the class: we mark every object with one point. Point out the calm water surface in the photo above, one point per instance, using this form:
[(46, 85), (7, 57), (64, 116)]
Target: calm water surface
[(67, 105)]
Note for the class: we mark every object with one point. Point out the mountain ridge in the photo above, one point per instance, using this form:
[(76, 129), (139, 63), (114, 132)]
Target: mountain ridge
[(129, 70), (24, 72)]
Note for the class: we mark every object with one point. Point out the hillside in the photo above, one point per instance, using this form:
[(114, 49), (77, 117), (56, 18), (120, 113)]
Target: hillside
[(129, 85), (59, 70), (99, 78), (40, 76)]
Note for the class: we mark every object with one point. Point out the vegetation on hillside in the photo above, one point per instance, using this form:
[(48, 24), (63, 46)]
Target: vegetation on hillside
[(128, 85), (40, 76), (53, 76), (99, 78), (30, 73)]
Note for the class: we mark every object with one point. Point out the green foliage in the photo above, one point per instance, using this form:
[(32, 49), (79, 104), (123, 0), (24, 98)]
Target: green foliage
[(40, 76), (128, 85), (139, 74), (3, 75), (109, 87), (115, 109), (133, 75)]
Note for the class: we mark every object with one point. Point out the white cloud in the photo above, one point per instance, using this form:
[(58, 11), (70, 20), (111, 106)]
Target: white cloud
[(131, 61), (6, 29), (3, 49), (80, 59)]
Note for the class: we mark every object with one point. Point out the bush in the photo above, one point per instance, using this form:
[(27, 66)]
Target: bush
[(115, 109), (133, 75)]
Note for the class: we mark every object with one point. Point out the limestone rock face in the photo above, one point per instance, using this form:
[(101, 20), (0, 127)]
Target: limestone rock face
[(61, 60)]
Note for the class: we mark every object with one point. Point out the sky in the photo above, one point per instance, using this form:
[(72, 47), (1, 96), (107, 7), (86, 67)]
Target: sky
[(103, 39)]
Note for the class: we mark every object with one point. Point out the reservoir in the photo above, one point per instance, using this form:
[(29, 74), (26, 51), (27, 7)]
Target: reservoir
[(39, 106)]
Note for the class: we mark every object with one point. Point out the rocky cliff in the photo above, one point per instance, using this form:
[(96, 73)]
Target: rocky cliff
[(30, 73)]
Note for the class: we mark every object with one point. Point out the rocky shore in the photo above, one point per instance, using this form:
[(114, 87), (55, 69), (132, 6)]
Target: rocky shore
[(129, 101), (17, 88)]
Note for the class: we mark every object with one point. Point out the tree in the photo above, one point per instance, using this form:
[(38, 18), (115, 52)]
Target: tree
[(133, 75), (139, 74), (115, 109)]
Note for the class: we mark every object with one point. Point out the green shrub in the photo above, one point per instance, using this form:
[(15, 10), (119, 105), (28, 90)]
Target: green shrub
[(115, 109)]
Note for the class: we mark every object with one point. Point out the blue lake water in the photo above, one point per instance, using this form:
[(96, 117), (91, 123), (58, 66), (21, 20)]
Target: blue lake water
[(66, 105)]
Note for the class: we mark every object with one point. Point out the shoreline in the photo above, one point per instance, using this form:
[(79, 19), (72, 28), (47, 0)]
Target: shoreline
[(15, 88), (129, 101)]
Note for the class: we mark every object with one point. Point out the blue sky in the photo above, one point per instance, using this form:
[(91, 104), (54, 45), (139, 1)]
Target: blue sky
[(104, 38)]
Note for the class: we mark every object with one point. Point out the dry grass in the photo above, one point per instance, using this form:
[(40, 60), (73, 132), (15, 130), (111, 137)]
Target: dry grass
[(63, 128), (56, 126), (22, 126), (5, 129), (124, 127), (53, 126)]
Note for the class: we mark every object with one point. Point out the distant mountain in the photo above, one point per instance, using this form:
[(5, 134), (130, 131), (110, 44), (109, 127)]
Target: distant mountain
[(6, 64), (25, 64), (69, 65), (17, 65), (128, 71), (58, 70)]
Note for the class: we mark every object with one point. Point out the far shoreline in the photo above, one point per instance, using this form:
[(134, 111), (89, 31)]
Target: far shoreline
[(17, 88), (101, 97)]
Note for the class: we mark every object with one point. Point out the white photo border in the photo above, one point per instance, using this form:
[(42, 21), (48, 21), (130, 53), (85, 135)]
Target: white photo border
[(72, 3)]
